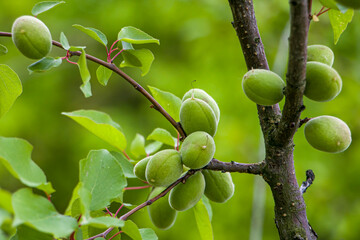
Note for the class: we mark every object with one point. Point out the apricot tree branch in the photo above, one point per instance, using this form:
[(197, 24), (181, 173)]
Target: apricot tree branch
[(253, 50), (279, 171), (295, 77), (252, 168), (137, 86)]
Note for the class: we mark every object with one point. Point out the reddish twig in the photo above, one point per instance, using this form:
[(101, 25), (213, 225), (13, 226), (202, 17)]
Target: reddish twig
[(137, 86), (137, 188)]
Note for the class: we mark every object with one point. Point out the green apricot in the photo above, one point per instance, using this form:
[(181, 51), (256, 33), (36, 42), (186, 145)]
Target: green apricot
[(263, 87), (323, 83), (201, 94), (320, 53), (355, 4), (219, 186), (197, 115), (140, 168), (32, 37), (197, 150), (160, 212), (164, 168), (185, 196), (328, 134)]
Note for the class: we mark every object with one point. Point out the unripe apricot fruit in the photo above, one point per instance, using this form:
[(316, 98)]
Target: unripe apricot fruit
[(197, 150), (197, 115), (201, 94), (328, 134), (263, 87), (31, 36), (219, 186), (160, 212), (323, 83), (164, 168), (185, 196), (320, 53), (355, 4), (140, 168)]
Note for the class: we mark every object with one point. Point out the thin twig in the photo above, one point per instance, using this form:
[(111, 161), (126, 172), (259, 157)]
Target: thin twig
[(130, 80), (252, 168)]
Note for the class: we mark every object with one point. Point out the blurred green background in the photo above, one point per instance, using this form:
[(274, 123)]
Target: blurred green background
[(197, 43)]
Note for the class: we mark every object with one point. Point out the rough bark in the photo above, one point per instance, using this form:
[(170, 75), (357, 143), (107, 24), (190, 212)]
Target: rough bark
[(279, 129)]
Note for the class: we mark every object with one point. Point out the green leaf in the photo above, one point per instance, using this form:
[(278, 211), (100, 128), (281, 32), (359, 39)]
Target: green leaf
[(135, 36), (85, 74), (329, 4), (148, 234), (64, 42), (168, 101), (44, 64), (76, 48), (93, 33), (15, 154), (101, 125), (102, 175), (140, 58), (4, 216), (203, 221), (102, 222), (46, 187), (24, 232), (103, 74), (131, 229), (74, 207), (44, 6), (10, 88), (126, 165), (5, 201), (339, 22), (137, 146), (153, 147), (126, 45), (40, 213), (207, 205), (3, 50), (79, 234), (162, 135)]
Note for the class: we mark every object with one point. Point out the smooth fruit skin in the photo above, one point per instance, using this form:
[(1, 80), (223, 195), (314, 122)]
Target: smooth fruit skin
[(323, 83), (197, 150), (219, 186), (201, 94), (140, 168), (320, 53), (263, 87), (164, 168), (160, 212), (32, 37), (355, 4), (185, 196), (197, 115), (328, 134)]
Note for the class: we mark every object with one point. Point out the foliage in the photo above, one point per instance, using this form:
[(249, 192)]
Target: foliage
[(89, 197)]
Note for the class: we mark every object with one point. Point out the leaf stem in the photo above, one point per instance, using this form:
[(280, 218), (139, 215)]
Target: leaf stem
[(122, 205), (117, 55), (115, 234), (136, 188)]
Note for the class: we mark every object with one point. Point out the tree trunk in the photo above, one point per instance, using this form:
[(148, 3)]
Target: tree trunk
[(278, 129)]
